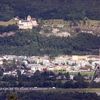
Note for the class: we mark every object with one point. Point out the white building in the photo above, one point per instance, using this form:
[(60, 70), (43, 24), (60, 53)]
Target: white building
[(29, 23)]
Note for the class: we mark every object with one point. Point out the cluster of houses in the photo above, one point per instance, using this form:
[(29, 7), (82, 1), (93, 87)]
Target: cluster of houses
[(30, 22), (29, 65), (59, 28)]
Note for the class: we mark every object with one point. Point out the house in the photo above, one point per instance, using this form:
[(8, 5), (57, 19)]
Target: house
[(29, 23)]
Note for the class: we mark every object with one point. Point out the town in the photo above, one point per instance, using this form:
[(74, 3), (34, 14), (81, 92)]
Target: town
[(14, 66), (28, 65)]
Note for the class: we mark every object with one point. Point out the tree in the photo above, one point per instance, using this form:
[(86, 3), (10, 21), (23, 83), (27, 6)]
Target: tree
[(79, 77), (12, 96), (67, 76)]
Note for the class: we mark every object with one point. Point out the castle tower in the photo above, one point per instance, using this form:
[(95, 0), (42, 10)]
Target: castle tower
[(29, 18)]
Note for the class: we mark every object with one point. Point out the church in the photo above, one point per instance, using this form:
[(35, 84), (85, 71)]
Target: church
[(29, 23)]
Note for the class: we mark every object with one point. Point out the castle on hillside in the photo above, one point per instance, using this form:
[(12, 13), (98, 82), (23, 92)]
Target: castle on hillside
[(29, 23)]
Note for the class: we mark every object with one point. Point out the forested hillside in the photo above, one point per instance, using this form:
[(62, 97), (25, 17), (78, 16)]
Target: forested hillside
[(66, 9), (45, 95), (32, 43)]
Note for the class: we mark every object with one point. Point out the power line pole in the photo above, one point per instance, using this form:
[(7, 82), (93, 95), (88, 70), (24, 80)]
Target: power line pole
[(96, 72)]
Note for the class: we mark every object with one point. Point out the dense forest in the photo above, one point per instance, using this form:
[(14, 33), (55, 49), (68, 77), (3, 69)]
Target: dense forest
[(30, 42), (39, 95), (66, 9)]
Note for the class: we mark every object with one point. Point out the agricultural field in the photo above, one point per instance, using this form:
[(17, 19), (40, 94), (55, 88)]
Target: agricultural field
[(7, 23)]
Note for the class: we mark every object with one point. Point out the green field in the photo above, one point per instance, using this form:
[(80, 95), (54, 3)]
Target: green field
[(6, 23), (87, 73), (83, 73), (80, 90)]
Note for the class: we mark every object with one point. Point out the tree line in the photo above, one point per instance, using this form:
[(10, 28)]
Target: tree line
[(47, 9)]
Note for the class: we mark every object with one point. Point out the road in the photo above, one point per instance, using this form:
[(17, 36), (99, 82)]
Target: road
[(23, 89), (53, 89)]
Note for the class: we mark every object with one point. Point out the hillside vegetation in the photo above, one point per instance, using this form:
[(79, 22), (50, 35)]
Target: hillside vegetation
[(40, 95), (85, 14), (47, 9), (32, 43)]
